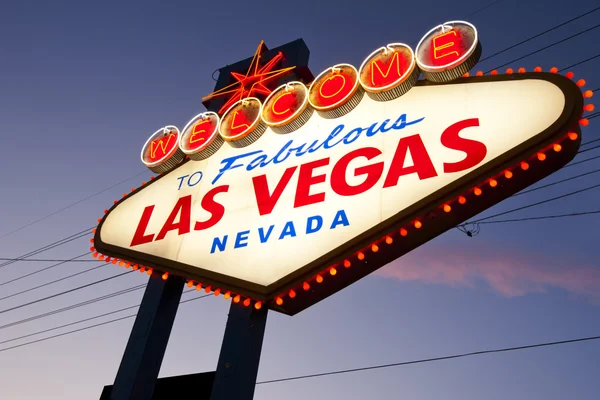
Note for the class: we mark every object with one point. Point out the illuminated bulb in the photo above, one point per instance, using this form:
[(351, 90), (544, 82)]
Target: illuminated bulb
[(389, 240), (508, 174), (332, 271), (541, 156), (149, 272), (114, 261), (479, 73), (135, 267), (537, 69), (246, 302), (462, 199), (199, 286), (258, 305), (522, 70), (99, 220), (374, 248), (208, 288), (165, 276), (236, 299), (124, 194), (121, 263), (217, 292), (95, 255), (108, 259), (553, 70), (347, 264), (589, 107), (584, 122), (151, 178), (556, 147), (477, 191), (143, 183), (94, 230), (509, 71), (570, 75), (360, 255), (279, 301), (403, 232), (143, 269), (466, 75), (101, 257), (573, 135), (133, 189), (524, 166), (292, 294), (418, 224), (105, 211), (92, 249), (494, 72), (190, 284), (588, 94), (92, 240), (319, 279), (305, 286), (581, 82), (128, 265), (227, 295), (115, 202), (447, 208)]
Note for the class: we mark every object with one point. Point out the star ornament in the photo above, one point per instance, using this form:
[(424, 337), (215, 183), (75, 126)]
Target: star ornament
[(253, 82)]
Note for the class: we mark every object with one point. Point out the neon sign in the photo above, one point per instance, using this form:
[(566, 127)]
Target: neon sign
[(292, 195), (161, 151), (448, 51), (200, 137)]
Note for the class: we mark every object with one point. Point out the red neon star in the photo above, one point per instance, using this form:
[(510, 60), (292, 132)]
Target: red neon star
[(253, 82)]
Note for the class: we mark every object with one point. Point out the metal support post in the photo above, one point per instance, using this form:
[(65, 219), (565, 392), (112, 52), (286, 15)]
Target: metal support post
[(147, 343), (237, 368)]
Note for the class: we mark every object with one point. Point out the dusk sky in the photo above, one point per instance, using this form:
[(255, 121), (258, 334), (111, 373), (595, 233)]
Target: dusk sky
[(82, 86)]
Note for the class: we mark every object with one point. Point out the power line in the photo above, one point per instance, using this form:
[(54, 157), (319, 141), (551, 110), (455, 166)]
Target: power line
[(546, 47), (52, 282), (426, 360), (70, 205), (89, 327), (580, 162), (590, 142), (64, 292), (90, 319), (43, 269), (531, 205), (579, 63), (481, 9), (557, 182), (591, 148), (46, 259), (73, 306), (50, 246), (540, 34), (542, 217), (592, 116)]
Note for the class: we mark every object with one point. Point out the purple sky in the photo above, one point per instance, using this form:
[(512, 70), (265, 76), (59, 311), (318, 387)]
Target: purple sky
[(82, 86)]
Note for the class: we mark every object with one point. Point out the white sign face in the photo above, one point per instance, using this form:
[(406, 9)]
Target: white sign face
[(261, 212)]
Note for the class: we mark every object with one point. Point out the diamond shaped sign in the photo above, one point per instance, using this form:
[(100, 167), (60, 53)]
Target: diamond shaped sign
[(288, 218)]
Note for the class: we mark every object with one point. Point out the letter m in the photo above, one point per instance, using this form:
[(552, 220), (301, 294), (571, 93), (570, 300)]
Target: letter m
[(393, 71)]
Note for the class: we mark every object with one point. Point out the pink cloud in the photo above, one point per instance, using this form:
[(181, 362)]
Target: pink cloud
[(509, 273)]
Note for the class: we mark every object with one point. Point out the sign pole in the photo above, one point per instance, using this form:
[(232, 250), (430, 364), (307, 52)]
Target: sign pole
[(237, 367), (147, 343)]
